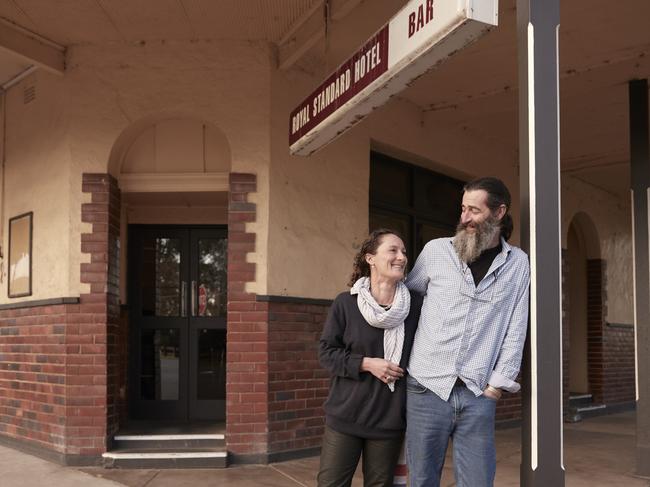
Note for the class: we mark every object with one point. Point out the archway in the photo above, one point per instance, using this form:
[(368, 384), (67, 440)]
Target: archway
[(577, 282), (173, 175), (585, 328)]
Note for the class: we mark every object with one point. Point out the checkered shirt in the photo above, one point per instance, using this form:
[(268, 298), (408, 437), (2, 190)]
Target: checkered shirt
[(475, 333)]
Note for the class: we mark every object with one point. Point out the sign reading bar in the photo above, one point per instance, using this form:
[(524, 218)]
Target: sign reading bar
[(421, 35)]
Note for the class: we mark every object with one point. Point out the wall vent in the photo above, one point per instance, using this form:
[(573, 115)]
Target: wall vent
[(29, 94)]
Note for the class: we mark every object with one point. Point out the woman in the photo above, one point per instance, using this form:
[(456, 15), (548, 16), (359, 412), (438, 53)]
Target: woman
[(365, 346)]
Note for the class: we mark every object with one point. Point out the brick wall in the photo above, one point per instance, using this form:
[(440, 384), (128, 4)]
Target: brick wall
[(59, 358), (509, 407), (298, 385), (619, 383), (33, 374), (596, 309), (121, 357), (247, 336)]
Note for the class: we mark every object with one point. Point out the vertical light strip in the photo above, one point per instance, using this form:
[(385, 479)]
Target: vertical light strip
[(634, 296), (533, 245), (559, 230)]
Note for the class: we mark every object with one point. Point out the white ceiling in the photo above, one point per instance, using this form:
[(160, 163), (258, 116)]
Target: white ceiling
[(69, 22), (603, 45)]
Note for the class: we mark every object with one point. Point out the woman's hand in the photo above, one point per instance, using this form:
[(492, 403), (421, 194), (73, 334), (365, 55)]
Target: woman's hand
[(384, 370)]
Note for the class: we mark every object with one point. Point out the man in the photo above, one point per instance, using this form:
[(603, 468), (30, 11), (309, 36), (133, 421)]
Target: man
[(469, 341)]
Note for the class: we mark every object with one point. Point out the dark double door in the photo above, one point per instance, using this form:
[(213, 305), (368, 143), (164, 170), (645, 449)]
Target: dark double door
[(177, 318)]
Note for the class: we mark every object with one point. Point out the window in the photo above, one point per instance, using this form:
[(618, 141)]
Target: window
[(418, 203)]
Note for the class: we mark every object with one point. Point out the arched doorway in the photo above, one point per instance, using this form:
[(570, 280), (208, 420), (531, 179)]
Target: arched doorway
[(584, 333), (578, 363), (173, 177)]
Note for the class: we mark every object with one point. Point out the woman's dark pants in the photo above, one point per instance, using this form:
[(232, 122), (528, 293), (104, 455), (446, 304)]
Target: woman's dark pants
[(340, 456)]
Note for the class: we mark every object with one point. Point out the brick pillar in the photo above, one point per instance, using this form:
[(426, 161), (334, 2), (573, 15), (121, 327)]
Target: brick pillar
[(247, 337), (596, 308), (91, 368)]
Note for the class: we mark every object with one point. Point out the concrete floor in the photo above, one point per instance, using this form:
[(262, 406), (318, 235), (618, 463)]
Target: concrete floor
[(598, 452)]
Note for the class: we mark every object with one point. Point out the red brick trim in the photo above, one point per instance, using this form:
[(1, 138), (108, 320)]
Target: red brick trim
[(92, 356), (596, 310), (247, 336), (39, 302)]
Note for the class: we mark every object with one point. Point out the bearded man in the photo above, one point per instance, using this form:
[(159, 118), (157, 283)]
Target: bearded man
[(469, 340)]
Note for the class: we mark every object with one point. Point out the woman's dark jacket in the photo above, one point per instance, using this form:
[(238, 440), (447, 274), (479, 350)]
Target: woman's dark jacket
[(359, 404)]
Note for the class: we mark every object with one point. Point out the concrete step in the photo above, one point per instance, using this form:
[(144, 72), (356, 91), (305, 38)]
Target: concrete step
[(592, 411), (165, 459), (167, 451), (580, 400), (206, 442)]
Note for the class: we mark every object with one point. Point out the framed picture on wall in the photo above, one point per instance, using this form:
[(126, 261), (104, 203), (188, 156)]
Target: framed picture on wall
[(20, 255)]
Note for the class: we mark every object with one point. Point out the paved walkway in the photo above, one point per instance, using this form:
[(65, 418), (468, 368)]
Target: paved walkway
[(598, 452)]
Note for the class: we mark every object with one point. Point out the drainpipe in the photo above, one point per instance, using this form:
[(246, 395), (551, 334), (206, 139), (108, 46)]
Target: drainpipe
[(3, 157)]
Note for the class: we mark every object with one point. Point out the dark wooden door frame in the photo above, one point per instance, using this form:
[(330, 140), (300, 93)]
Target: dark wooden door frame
[(187, 407)]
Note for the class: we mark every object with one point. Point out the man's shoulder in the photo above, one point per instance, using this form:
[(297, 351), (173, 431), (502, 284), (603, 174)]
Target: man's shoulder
[(519, 260), (517, 254), (438, 244)]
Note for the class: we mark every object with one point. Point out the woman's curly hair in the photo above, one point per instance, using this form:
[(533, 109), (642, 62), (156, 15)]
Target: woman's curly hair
[(361, 268)]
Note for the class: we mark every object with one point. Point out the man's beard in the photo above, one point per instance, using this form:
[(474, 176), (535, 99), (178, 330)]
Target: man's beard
[(469, 245)]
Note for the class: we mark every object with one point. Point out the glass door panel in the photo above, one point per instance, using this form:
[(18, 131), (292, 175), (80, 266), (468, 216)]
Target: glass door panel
[(160, 365), (161, 276), (212, 278), (178, 303), (158, 275), (211, 365), (208, 323)]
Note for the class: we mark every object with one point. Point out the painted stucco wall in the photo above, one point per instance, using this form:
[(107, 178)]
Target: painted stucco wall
[(86, 120), (38, 179), (312, 212), (611, 217)]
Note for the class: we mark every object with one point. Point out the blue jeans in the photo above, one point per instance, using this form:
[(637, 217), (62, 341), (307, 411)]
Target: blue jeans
[(430, 423)]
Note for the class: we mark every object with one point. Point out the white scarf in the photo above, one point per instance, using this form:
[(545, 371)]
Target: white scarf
[(391, 320)]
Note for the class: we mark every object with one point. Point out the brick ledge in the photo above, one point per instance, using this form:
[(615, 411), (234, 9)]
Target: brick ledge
[(40, 302), (293, 299)]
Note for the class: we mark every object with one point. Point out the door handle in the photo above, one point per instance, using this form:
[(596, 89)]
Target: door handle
[(193, 298), (183, 299)]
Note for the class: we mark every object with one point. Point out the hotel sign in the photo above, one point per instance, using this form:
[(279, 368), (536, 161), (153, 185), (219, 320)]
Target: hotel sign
[(420, 36)]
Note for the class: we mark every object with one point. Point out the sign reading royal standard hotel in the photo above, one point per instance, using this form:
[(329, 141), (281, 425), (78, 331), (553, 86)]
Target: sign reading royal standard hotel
[(421, 35)]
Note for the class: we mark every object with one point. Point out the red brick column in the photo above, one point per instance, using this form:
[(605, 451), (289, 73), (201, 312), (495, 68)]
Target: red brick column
[(91, 352), (247, 337), (596, 308)]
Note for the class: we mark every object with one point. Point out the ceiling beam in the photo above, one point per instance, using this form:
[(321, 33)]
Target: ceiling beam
[(311, 28), (32, 48)]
